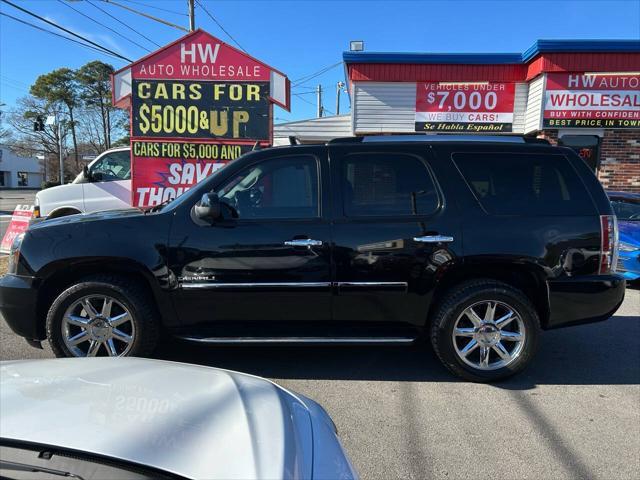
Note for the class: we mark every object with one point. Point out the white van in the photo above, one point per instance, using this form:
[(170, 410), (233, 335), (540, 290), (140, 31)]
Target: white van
[(105, 184)]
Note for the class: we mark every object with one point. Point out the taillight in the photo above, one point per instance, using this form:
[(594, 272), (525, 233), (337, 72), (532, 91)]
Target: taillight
[(608, 243)]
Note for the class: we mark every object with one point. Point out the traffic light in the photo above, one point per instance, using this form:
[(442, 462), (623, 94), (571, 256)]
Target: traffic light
[(38, 125)]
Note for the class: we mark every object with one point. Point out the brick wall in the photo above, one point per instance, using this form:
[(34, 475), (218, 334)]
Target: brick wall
[(619, 158)]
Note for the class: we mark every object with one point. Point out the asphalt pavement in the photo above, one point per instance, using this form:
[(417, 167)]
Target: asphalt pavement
[(10, 198), (575, 413)]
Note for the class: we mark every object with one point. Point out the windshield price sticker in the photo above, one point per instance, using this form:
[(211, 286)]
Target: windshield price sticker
[(165, 170), (464, 107), (167, 109), (578, 100)]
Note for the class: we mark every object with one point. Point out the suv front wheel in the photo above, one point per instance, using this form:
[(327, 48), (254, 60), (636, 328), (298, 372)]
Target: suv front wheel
[(485, 330), (102, 316)]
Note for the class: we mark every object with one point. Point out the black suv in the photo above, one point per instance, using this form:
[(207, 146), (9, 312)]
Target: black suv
[(477, 244)]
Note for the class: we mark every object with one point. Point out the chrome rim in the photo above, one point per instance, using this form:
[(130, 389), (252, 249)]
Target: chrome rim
[(489, 335), (98, 325)]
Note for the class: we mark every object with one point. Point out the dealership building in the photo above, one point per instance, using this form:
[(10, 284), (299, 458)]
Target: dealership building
[(581, 94)]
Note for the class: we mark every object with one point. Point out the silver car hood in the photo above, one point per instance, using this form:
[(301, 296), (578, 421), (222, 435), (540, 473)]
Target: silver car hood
[(193, 421)]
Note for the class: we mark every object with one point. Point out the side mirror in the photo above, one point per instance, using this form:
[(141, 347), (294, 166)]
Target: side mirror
[(208, 208), (85, 173)]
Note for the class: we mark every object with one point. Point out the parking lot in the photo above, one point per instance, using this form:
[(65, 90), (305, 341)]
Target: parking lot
[(574, 414)]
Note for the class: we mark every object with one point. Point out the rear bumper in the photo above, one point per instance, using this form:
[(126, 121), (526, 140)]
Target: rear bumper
[(18, 306), (586, 299)]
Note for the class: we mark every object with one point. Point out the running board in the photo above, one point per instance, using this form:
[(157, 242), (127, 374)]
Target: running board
[(302, 340)]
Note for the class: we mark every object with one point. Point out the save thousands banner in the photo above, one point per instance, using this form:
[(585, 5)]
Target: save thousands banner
[(195, 105), (464, 107), (580, 100)]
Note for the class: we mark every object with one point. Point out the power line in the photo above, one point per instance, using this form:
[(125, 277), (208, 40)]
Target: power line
[(111, 52), (13, 83), (309, 89), (122, 23), (157, 8), (146, 15), (201, 5), (58, 35), (17, 82), (324, 109), (14, 87), (311, 76), (102, 24), (307, 101)]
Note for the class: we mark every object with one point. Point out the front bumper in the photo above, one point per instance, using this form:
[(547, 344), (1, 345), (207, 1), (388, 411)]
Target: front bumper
[(18, 306), (585, 299)]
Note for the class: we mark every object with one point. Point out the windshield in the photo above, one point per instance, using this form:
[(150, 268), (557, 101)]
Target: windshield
[(18, 461), (627, 210), (195, 192)]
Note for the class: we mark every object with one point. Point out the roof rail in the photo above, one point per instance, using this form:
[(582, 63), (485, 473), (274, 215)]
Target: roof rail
[(439, 138), (345, 140)]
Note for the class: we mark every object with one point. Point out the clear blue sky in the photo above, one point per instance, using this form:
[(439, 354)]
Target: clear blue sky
[(301, 37)]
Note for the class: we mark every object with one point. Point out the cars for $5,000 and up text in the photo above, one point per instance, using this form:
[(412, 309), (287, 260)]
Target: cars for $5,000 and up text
[(201, 109)]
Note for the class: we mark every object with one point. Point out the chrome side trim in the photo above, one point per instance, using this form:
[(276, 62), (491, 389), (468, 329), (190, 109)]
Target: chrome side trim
[(208, 285), (433, 239), (297, 340), (373, 284), (305, 242)]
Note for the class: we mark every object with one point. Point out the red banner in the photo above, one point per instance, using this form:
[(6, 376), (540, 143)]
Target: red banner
[(165, 170), (467, 107), (592, 101), (19, 224)]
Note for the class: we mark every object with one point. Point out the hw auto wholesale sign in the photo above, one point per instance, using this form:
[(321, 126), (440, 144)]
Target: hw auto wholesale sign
[(592, 101), (195, 105), (464, 107)]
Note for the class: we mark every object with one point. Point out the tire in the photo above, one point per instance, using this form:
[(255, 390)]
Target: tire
[(142, 330), (479, 295)]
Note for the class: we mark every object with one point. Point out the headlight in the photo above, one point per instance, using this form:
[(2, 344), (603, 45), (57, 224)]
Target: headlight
[(627, 247), (14, 254)]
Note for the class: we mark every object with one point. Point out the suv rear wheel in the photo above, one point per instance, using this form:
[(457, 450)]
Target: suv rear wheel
[(102, 316), (485, 330)]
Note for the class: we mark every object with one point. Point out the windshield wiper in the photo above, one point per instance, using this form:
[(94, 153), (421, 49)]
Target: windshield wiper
[(158, 207), (23, 467)]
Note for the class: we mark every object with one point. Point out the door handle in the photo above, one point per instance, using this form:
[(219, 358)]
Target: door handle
[(303, 242), (433, 239)]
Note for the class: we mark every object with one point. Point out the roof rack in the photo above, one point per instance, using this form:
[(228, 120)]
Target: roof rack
[(440, 138)]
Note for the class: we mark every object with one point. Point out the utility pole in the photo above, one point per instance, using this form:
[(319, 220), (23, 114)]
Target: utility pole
[(192, 16), (339, 87), (55, 120), (60, 150), (320, 109)]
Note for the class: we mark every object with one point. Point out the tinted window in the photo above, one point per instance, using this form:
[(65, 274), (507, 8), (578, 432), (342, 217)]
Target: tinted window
[(524, 184), (278, 188), (112, 166), (386, 184)]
